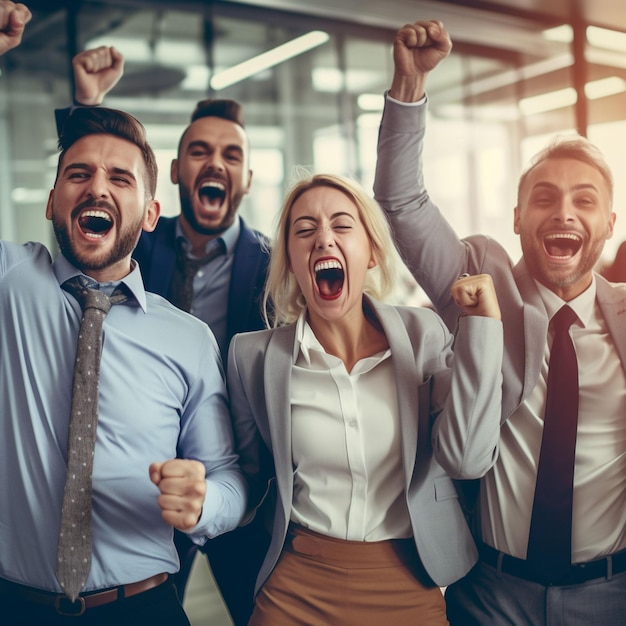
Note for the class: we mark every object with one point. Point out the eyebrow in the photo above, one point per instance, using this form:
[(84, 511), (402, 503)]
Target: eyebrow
[(199, 143), (333, 216), (549, 185), (88, 168)]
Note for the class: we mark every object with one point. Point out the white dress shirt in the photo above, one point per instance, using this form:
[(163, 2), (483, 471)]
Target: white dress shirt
[(346, 439), (599, 507)]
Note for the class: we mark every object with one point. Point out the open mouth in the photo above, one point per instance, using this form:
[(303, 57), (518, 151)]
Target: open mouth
[(94, 223), (329, 276), (212, 194), (562, 245)]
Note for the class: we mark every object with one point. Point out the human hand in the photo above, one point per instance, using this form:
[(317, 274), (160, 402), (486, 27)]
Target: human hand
[(96, 72), (183, 487), (417, 49), (476, 295), (13, 19)]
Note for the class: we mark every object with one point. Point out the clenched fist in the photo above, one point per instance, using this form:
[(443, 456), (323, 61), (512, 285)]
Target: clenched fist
[(183, 487)]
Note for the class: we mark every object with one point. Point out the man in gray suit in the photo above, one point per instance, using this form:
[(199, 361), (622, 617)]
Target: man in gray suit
[(563, 216)]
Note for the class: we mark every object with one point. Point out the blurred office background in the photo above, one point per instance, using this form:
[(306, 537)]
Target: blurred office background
[(311, 75), (520, 72)]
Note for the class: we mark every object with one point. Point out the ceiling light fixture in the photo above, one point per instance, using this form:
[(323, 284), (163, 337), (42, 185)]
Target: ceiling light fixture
[(596, 36), (560, 98), (268, 59), (606, 38), (563, 33)]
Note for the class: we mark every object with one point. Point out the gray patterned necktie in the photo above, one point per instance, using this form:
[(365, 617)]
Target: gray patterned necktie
[(74, 549)]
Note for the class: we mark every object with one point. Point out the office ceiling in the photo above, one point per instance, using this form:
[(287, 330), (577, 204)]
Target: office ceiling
[(607, 13), (502, 24), (497, 27)]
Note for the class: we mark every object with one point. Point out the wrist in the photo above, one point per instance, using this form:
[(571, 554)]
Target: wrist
[(79, 101), (408, 88)]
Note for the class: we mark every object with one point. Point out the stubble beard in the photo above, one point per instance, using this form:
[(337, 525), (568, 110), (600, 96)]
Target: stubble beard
[(123, 247), (559, 278), (186, 208)]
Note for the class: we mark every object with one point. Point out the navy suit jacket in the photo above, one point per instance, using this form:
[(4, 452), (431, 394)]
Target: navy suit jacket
[(156, 255)]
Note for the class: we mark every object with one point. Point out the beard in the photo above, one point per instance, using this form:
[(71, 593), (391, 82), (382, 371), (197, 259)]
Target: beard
[(186, 208), (533, 253), (122, 248)]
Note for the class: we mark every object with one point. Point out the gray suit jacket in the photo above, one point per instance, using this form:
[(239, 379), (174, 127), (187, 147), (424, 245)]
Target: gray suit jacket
[(436, 257), (449, 419)]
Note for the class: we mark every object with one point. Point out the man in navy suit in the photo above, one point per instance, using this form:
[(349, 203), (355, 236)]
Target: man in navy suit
[(226, 285)]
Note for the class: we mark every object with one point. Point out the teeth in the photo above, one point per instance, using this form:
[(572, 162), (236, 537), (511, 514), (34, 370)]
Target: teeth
[(563, 236), (214, 184), (327, 265), (94, 213)]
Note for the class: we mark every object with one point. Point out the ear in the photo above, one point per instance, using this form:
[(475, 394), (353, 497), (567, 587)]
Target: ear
[(49, 205), (612, 218), (249, 182), (152, 216), (516, 219), (174, 171)]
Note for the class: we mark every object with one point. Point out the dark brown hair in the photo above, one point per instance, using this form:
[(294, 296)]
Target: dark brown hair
[(229, 110), (226, 109), (85, 121)]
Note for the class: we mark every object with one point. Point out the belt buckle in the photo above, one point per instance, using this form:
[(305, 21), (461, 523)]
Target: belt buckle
[(63, 604)]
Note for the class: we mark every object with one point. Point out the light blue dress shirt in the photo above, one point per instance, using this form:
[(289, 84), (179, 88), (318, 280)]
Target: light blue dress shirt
[(211, 284), (162, 394)]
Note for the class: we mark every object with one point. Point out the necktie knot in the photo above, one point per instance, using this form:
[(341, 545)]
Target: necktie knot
[(563, 319), (189, 264), (91, 298)]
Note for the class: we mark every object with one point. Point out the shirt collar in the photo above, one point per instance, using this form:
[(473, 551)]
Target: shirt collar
[(228, 238), (305, 339), (583, 305), (64, 270)]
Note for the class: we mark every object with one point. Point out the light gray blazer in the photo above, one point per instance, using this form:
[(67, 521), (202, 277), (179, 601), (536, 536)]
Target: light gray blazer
[(436, 257), (449, 419)]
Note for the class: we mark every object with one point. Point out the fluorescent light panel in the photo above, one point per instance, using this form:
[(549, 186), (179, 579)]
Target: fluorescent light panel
[(269, 59), (547, 101), (596, 36), (566, 97), (562, 34), (605, 38)]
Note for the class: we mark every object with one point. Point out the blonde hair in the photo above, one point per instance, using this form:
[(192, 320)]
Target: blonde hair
[(574, 147), (283, 300)]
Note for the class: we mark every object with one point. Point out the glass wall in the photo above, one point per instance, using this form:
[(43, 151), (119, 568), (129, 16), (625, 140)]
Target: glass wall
[(318, 105)]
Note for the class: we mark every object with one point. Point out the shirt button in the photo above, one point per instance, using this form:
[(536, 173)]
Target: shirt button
[(200, 274), (353, 423)]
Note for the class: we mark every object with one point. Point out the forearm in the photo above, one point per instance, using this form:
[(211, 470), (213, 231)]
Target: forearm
[(427, 243), (465, 435)]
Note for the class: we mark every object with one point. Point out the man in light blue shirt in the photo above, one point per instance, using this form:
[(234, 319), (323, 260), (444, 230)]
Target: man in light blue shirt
[(213, 175), (161, 395)]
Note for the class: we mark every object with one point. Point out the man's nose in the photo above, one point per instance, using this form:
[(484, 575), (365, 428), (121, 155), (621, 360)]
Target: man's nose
[(564, 211), (98, 185)]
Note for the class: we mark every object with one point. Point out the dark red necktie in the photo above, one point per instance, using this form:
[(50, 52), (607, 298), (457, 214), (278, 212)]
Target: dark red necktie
[(550, 538)]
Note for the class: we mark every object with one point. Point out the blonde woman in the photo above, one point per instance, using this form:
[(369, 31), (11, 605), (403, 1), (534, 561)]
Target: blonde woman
[(354, 416)]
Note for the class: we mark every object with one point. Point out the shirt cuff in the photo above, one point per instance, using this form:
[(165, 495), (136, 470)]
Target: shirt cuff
[(419, 102)]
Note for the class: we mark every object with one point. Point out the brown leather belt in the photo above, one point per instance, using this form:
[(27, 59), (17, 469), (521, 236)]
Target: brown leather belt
[(64, 606)]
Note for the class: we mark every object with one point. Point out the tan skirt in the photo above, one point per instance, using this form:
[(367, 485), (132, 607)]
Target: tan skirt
[(322, 581)]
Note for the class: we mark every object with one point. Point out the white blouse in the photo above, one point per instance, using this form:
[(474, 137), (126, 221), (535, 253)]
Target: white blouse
[(346, 440)]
